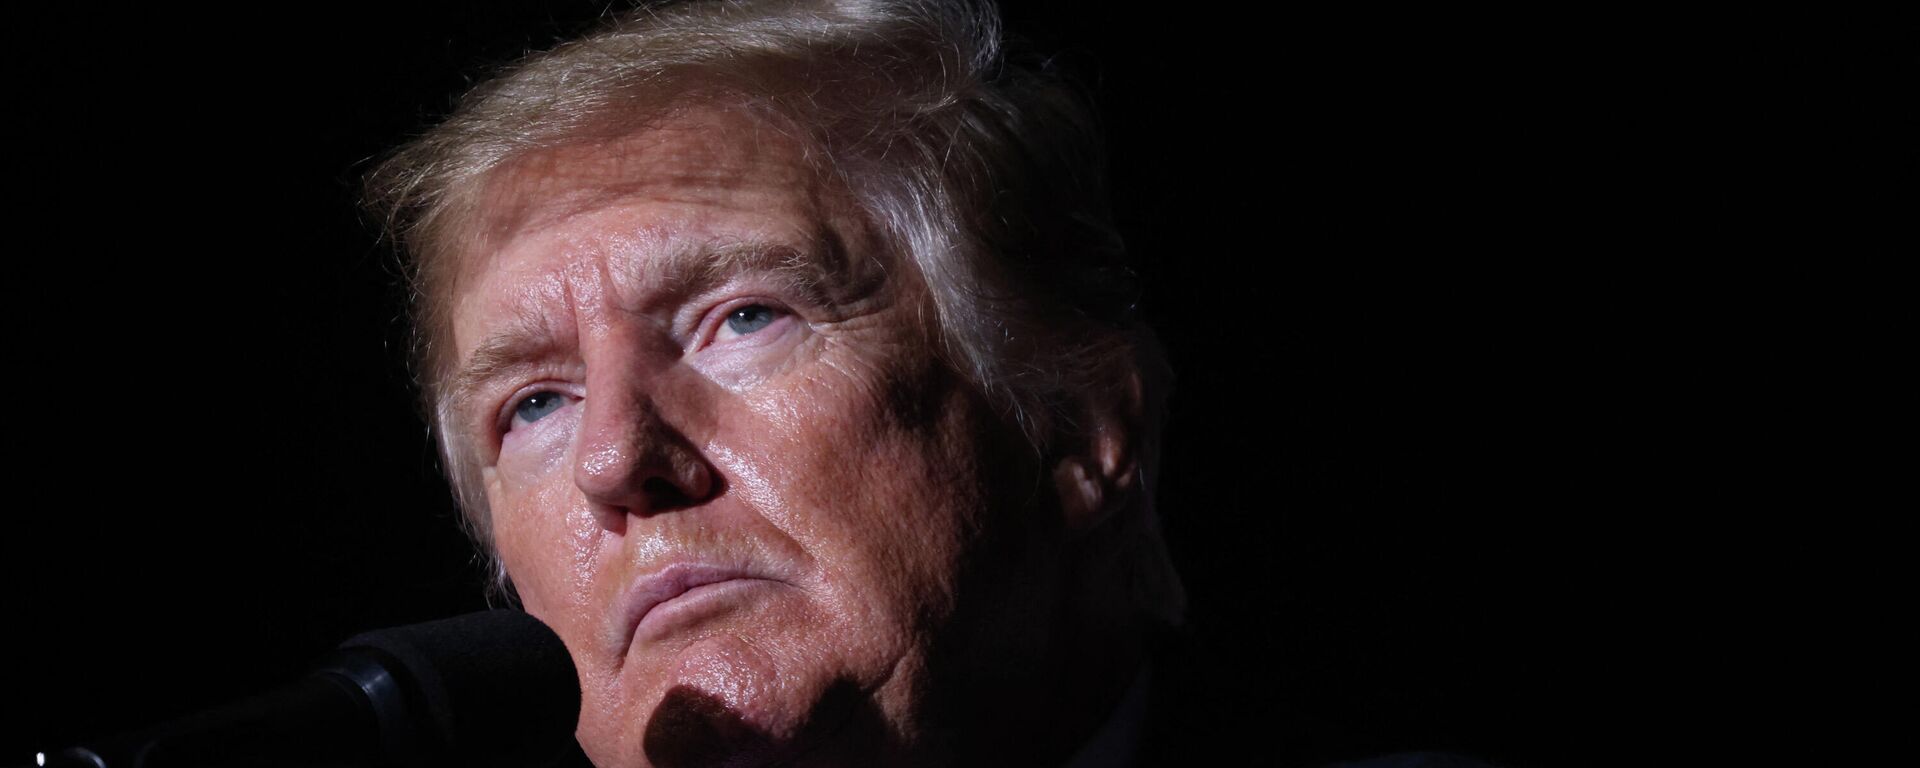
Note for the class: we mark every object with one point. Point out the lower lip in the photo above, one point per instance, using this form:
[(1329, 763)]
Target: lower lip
[(693, 604)]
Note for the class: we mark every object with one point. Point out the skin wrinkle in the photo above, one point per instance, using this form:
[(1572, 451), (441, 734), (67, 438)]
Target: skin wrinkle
[(686, 271), (846, 458), (894, 454)]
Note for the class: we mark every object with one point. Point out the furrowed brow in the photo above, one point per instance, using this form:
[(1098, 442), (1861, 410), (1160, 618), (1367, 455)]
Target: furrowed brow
[(511, 349), (816, 273), (809, 271)]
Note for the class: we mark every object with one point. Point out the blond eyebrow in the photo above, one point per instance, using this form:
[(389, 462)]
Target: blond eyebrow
[(513, 348), (688, 270), (682, 272)]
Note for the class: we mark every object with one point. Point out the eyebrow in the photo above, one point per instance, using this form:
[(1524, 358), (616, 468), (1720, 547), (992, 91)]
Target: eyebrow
[(682, 272), (510, 349), (685, 271)]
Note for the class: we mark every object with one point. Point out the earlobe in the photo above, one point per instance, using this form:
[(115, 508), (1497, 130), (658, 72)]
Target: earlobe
[(1081, 492), (1098, 476)]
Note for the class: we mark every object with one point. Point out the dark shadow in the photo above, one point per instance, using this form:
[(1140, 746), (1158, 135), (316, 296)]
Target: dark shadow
[(693, 728)]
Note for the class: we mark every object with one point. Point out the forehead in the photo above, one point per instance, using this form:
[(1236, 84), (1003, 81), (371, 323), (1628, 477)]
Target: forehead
[(699, 155), (688, 181)]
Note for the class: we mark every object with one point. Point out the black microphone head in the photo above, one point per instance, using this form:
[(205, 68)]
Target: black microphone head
[(488, 688)]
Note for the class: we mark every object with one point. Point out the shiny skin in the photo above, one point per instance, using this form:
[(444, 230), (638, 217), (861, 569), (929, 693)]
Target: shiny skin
[(830, 455)]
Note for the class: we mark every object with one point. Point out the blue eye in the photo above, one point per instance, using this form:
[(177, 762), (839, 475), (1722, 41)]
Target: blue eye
[(750, 318), (537, 405)]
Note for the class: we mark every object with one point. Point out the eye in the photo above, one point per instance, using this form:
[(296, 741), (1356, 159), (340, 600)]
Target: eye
[(536, 406), (748, 319)]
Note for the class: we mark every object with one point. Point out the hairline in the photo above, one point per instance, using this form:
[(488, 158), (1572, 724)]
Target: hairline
[(867, 185), (923, 170)]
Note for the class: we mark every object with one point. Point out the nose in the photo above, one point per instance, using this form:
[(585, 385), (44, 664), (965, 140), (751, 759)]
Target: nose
[(632, 462)]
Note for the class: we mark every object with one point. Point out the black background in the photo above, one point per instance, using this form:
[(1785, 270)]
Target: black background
[(1534, 369)]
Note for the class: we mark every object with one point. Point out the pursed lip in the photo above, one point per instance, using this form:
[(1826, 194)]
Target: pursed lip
[(663, 585)]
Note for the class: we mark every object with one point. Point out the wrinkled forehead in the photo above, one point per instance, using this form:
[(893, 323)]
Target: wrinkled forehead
[(683, 194), (692, 156)]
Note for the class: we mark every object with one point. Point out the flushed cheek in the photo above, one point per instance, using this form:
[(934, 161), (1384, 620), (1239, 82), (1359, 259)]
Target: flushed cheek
[(542, 529), (555, 571), (870, 486), (549, 543)]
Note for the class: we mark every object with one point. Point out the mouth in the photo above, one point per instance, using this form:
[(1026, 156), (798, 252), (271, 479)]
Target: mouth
[(670, 595)]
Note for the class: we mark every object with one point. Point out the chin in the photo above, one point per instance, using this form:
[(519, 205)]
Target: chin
[(723, 701)]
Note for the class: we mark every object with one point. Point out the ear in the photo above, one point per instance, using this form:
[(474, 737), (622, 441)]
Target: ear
[(1096, 469)]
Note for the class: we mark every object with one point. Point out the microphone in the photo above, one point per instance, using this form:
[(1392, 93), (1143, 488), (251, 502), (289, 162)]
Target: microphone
[(494, 688)]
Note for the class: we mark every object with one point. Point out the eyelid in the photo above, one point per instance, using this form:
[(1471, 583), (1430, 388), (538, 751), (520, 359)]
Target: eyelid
[(503, 418), (709, 327)]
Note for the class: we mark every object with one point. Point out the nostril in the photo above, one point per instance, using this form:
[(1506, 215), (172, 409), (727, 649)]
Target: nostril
[(664, 494)]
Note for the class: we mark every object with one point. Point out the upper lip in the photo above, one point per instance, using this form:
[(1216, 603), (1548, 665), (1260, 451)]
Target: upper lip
[(669, 582)]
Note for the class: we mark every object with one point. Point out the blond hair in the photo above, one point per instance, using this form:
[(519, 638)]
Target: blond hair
[(986, 176)]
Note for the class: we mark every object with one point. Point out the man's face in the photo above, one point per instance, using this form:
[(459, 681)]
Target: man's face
[(723, 461)]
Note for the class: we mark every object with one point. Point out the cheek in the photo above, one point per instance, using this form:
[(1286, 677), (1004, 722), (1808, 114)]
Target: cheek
[(528, 490), (532, 453), (544, 533), (876, 476)]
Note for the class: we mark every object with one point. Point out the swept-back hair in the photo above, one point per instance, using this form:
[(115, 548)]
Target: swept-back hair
[(985, 176)]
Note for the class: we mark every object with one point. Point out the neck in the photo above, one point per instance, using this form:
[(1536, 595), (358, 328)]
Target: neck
[(1044, 711)]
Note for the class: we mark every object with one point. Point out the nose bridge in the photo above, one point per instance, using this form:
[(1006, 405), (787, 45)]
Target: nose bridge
[(618, 411), (629, 458)]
